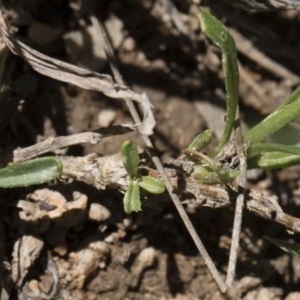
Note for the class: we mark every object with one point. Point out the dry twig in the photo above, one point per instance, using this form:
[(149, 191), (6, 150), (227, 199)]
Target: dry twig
[(240, 201), (66, 72), (244, 46), (109, 171), (53, 143)]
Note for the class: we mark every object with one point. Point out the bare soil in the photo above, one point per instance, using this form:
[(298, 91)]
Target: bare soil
[(160, 51)]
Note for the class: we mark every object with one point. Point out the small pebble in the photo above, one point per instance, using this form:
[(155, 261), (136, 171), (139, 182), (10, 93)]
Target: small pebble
[(98, 212), (106, 117), (61, 250), (34, 286), (129, 44)]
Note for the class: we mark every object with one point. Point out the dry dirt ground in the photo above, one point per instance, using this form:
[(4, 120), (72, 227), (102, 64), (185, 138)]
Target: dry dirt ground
[(96, 251)]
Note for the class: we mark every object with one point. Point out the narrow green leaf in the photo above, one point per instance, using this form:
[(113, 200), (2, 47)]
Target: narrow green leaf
[(273, 160), (35, 171), (292, 98), (152, 185), (260, 148), (132, 198), (216, 178), (282, 116), (130, 157), (228, 176), (218, 33), (202, 140), (209, 176), (291, 248)]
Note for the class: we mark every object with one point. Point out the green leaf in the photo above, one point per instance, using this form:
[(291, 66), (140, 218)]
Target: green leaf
[(132, 198), (152, 185), (292, 98), (291, 248), (273, 160), (202, 140), (260, 148), (130, 157), (199, 143), (228, 176), (282, 116), (219, 34), (209, 176), (35, 171)]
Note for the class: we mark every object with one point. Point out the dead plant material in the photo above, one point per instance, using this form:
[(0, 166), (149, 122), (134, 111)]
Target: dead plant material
[(45, 206), (69, 73), (109, 171), (245, 46), (26, 250), (54, 143), (65, 72)]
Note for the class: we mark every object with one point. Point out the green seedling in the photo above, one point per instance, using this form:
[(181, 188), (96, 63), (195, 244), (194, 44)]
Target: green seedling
[(290, 248), (259, 153), (208, 171), (35, 171), (153, 185)]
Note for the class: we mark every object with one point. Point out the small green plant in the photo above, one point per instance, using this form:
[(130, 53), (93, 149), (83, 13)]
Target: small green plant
[(153, 185), (34, 171), (259, 153), (205, 169)]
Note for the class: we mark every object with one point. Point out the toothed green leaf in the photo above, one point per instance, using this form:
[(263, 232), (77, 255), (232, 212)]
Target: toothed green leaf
[(130, 157), (132, 198), (152, 185)]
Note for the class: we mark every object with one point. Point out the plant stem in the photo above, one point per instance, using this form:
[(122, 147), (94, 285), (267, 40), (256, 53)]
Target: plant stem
[(238, 215)]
